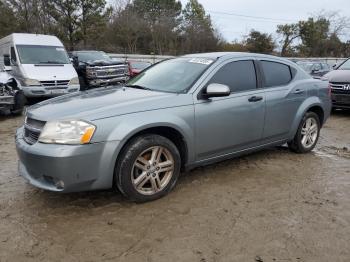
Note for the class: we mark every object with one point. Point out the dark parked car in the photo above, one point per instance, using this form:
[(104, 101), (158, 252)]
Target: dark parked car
[(339, 80), (136, 67), (315, 69), (179, 114), (96, 68)]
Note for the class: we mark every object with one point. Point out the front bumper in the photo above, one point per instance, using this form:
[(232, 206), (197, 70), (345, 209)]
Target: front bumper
[(106, 81), (341, 100), (42, 91), (7, 100), (67, 168)]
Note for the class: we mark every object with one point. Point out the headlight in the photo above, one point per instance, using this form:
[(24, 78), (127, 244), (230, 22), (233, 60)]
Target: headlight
[(74, 81), (91, 72), (31, 82), (71, 132)]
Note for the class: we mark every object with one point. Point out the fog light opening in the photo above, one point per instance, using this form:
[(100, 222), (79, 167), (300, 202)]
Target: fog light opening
[(59, 184)]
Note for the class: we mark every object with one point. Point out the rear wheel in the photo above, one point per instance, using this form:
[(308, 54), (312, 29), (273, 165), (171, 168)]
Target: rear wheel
[(307, 135), (148, 168)]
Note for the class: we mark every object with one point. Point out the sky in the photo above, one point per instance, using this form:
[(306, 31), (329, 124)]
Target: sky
[(236, 18)]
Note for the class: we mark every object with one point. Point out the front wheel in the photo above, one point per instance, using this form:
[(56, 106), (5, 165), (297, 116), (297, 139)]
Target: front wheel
[(148, 168), (307, 135)]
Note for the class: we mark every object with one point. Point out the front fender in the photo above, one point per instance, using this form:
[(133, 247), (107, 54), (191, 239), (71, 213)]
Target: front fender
[(122, 128), (304, 107)]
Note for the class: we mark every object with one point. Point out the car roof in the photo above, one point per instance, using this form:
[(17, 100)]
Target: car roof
[(87, 51), (216, 55)]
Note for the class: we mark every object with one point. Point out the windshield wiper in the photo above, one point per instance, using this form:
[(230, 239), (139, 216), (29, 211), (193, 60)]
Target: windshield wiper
[(138, 87), (52, 62)]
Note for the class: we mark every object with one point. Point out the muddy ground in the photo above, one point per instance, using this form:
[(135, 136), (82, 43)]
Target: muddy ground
[(269, 206)]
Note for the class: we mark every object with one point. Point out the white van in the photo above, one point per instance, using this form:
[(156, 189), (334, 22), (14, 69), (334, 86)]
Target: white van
[(40, 63)]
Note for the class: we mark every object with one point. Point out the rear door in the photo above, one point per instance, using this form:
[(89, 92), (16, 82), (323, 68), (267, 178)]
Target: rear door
[(229, 124), (283, 98)]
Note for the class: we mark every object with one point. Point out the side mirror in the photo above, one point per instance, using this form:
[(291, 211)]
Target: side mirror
[(217, 90), (75, 61), (334, 66)]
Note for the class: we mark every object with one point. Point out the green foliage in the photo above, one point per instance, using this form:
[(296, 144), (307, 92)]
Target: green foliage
[(314, 34), (258, 42), (199, 34), (7, 19), (289, 32), (163, 27)]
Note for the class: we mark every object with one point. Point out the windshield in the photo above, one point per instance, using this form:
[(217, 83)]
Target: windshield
[(92, 56), (175, 75), (140, 65), (36, 54), (345, 65)]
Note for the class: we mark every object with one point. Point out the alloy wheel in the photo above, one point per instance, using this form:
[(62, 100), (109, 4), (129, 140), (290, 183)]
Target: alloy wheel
[(309, 132), (152, 170)]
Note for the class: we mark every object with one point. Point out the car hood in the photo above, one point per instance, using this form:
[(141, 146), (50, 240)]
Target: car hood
[(339, 76), (103, 63), (103, 103), (49, 72)]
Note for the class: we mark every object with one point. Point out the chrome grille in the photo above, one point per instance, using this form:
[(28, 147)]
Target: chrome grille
[(54, 84), (32, 130), (340, 88), (109, 71)]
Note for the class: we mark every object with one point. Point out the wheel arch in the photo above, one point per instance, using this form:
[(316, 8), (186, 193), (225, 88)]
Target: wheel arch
[(318, 110), (170, 132), (313, 104)]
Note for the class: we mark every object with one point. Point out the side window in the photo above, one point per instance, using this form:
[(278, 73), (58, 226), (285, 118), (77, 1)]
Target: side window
[(13, 55), (239, 76), (276, 74)]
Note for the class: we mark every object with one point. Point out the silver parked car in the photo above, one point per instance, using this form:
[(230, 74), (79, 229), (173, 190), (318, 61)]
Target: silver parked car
[(176, 115)]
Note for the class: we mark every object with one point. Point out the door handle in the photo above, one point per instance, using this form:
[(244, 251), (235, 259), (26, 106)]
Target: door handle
[(255, 99), (298, 91)]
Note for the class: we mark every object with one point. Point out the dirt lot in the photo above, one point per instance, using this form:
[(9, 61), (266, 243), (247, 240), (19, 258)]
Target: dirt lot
[(269, 206)]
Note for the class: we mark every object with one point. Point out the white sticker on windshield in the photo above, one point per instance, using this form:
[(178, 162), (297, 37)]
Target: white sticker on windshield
[(202, 61), (59, 49)]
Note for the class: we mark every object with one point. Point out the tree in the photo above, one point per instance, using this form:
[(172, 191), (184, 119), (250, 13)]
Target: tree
[(199, 34), (7, 19), (66, 14), (92, 20), (258, 42), (163, 18), (128, 32), (313, 34), (289, 32), (235, 46)]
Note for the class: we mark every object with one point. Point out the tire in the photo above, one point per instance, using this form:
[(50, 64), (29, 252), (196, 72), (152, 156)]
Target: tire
[(147, 180), (298, 145), (20, 101)]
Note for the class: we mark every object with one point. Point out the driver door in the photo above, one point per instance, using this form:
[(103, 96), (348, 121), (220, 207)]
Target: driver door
[(230, 124)]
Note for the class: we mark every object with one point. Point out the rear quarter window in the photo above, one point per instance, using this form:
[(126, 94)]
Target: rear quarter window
[(276, 74)]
